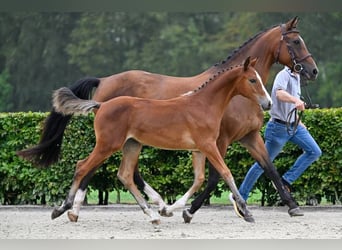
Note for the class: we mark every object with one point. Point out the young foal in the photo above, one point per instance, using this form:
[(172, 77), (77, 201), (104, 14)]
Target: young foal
[(126, 123)]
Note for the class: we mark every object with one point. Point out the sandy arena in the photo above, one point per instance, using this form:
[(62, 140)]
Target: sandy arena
[(129, 222)]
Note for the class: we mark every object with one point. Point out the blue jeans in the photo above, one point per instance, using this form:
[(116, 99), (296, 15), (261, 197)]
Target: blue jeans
[(276, 136)]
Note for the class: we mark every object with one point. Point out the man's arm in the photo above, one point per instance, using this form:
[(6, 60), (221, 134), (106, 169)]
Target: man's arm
[(284, 96)]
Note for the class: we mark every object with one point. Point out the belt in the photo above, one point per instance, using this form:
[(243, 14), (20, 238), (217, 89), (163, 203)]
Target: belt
[(282, 122)]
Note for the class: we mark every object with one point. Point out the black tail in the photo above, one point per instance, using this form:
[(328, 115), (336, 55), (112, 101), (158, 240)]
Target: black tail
[(49, 148)]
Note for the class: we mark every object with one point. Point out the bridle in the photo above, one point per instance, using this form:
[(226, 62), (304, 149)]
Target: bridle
[(297, 66)]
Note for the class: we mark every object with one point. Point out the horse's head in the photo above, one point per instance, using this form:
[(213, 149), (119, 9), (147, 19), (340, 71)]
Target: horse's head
[(253, 85), (293, 53)]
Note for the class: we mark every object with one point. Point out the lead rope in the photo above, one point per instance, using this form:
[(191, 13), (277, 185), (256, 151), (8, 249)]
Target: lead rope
[(297, 117)]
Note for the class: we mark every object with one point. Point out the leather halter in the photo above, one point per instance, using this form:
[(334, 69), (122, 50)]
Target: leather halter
[(297, 67)]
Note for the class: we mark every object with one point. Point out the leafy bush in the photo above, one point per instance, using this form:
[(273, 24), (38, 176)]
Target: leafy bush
[(169, 172)]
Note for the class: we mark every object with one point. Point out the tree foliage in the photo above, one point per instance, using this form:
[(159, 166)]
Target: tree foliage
[(43, 51), (6, 90)]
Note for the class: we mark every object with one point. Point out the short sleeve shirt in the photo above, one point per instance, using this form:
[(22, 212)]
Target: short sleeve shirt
[(290, 82)]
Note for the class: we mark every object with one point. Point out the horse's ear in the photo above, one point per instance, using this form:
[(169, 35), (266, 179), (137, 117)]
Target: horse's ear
[(246, 63), (292, 24), (254, 61)]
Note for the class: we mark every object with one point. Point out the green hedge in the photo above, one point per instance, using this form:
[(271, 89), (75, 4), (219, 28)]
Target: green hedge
[(169, 172)]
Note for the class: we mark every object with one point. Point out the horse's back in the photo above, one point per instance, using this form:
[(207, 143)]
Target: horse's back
[(138, 83)]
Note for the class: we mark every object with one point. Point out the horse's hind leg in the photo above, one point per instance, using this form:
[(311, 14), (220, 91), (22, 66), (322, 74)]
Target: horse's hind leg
[(75, 209), (198, 160), (143, 186), (255, 145), (130, 155), (152, 194), (67, 203), (83, 168), (79, 198)]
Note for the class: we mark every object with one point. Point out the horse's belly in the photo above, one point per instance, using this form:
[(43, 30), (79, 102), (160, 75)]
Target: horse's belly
[(169, 141)]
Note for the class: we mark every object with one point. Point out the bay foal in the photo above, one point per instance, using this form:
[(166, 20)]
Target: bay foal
[(189, 122)]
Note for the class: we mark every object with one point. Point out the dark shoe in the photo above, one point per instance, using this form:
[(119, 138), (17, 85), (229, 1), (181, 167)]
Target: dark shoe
[(238, 212)]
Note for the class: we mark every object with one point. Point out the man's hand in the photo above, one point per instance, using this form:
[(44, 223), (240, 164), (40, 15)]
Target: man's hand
[(300, 105)]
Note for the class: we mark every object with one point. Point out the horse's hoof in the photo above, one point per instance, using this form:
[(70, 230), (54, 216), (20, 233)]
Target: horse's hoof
[(187, 216), (249, 219), (155, 221), (164, 213), (72, 217), (55, 213), (295, 212)]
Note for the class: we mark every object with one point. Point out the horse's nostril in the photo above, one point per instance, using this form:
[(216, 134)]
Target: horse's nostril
[(315, 71)]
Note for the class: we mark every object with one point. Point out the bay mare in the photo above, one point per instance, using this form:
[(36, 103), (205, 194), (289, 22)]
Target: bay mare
[(189, 122), (278, 44)]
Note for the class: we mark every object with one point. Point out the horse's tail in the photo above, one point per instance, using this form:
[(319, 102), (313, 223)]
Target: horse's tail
[(65, 102), (49, 147)]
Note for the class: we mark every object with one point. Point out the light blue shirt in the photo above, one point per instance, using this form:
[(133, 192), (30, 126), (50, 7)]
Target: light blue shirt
[(290, 82)]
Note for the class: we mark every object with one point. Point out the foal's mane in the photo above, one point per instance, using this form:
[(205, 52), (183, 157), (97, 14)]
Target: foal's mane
[(212, 78)]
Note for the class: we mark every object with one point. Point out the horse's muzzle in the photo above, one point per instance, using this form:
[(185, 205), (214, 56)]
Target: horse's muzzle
[(266, 105), (310, 74)]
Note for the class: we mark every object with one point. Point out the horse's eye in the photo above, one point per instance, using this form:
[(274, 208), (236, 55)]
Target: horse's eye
[(253, 80), (296, 42)]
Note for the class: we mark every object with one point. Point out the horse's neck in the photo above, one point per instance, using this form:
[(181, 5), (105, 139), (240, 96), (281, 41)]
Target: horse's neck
[(260, 47), (219, 90)]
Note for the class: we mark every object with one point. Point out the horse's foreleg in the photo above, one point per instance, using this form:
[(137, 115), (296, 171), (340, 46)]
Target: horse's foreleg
[(213, 179), (130, 155), (255, 145), (198, 160), (216, 159)]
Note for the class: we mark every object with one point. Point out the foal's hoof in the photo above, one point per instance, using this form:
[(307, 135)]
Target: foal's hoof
[(164, 213), (187, 216), (72, 217), (295, 212), (155, 221), (56, 213)]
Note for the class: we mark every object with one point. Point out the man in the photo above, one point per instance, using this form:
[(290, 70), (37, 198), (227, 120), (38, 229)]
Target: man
[(280, 129)]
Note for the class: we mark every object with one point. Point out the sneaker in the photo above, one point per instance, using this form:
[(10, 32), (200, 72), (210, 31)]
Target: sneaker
[(238, 212)]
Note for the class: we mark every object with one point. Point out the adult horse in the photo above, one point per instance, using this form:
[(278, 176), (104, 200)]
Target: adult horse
[(242, 119), (127, 123)]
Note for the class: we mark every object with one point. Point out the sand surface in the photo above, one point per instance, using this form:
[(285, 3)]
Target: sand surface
[(129, 222)]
